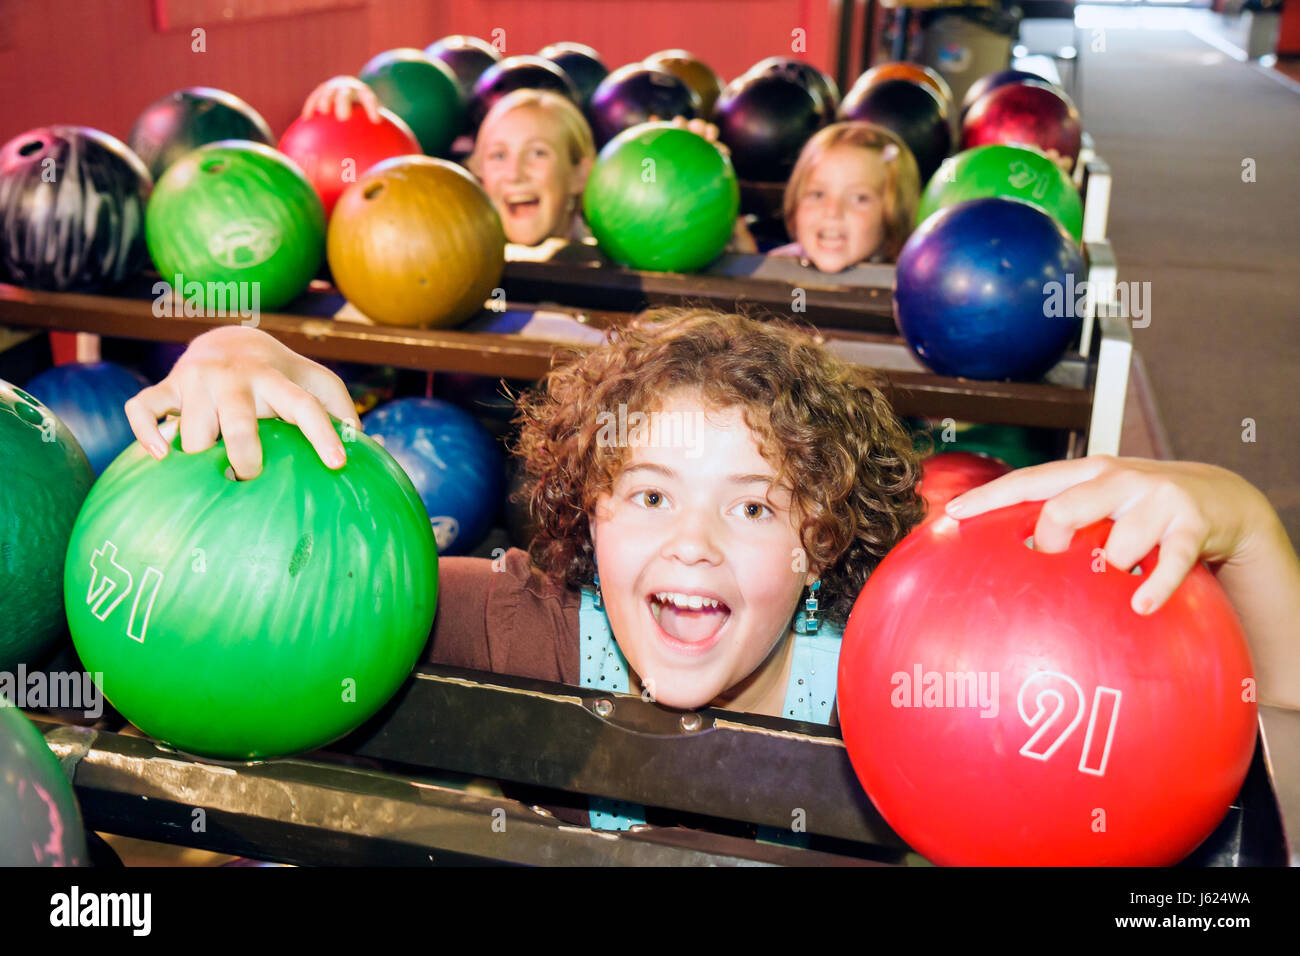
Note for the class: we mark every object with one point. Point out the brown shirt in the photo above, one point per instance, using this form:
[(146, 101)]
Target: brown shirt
[(507, 617)]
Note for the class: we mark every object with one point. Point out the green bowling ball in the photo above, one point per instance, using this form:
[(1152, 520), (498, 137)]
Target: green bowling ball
[(40, 823), (1010, 172), (422, 91), (233, 219), (1019, 447), (251, 619), (44, 480), (661, 198)]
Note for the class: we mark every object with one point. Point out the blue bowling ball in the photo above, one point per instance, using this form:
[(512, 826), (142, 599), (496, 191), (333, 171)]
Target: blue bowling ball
[(159, 357), (89, 398), (451, 459), (988, 289)]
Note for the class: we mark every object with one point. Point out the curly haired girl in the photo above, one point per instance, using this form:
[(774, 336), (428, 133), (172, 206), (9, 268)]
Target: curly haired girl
[(711, 492)]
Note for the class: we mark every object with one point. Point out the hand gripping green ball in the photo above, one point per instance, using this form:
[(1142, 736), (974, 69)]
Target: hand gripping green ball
[(251, 619)]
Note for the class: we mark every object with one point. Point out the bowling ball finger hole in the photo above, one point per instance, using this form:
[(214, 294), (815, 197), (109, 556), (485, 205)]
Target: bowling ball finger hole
[(29, 410), (34, 416), (30, 147), (214, 166), (373, 191)]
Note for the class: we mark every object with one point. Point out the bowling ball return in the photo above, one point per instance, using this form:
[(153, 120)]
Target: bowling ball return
[(381, 796)]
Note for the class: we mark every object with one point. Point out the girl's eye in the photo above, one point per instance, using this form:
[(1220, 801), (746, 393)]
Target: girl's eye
[(755, 510), (651, 499), (862, 198)]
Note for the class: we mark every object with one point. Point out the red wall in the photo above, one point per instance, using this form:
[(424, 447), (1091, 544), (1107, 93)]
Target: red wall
[(1288, 39), (99, 63)]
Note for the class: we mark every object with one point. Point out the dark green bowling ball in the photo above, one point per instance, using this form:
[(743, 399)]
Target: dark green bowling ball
[(43, 482), (422, 91), (1018, 447)]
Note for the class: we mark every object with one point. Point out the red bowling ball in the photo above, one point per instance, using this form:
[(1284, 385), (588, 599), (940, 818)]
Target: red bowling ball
[(1004, 706), (1029, 113), (335, 153), (952, 473)]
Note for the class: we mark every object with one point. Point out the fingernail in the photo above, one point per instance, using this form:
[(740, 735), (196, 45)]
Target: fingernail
[(1143, 605), (956, 507), (335, 458), (158, 450)]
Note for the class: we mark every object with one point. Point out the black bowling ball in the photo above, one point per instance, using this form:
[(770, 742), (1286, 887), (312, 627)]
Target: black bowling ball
[(517, 73), (635, 94), (806, 75), (183, 121), (915, 112), (467, 57), (765, 119), (581, 64), (72, 204)]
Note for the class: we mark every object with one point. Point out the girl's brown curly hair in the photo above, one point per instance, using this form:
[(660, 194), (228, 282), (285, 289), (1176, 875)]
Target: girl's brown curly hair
[(826, 429)]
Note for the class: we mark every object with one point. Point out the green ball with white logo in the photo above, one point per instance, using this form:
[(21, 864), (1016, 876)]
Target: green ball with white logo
[(236, 228), (1008, 172)]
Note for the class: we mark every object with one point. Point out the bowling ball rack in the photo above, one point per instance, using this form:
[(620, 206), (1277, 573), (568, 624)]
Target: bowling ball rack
[(554, 307), (378, 798)]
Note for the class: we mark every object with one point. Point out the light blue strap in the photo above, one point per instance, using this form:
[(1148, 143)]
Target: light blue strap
[(604, 666), (603, 663), (810, 696)]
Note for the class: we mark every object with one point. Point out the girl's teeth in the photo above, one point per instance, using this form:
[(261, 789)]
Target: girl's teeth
[(692, 601)]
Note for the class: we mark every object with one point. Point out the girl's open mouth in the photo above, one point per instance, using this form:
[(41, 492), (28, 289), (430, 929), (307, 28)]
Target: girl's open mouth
[(688, 623), (523, 206)]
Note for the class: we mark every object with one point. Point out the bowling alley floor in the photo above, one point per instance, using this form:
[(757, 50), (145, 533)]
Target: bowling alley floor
[(1177, 116)]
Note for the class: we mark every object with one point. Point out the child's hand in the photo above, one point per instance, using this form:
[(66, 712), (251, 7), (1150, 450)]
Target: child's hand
[(700, 127), (1065, 162), (337, 95), (742, 240), (229, 378), (1194, 512)]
